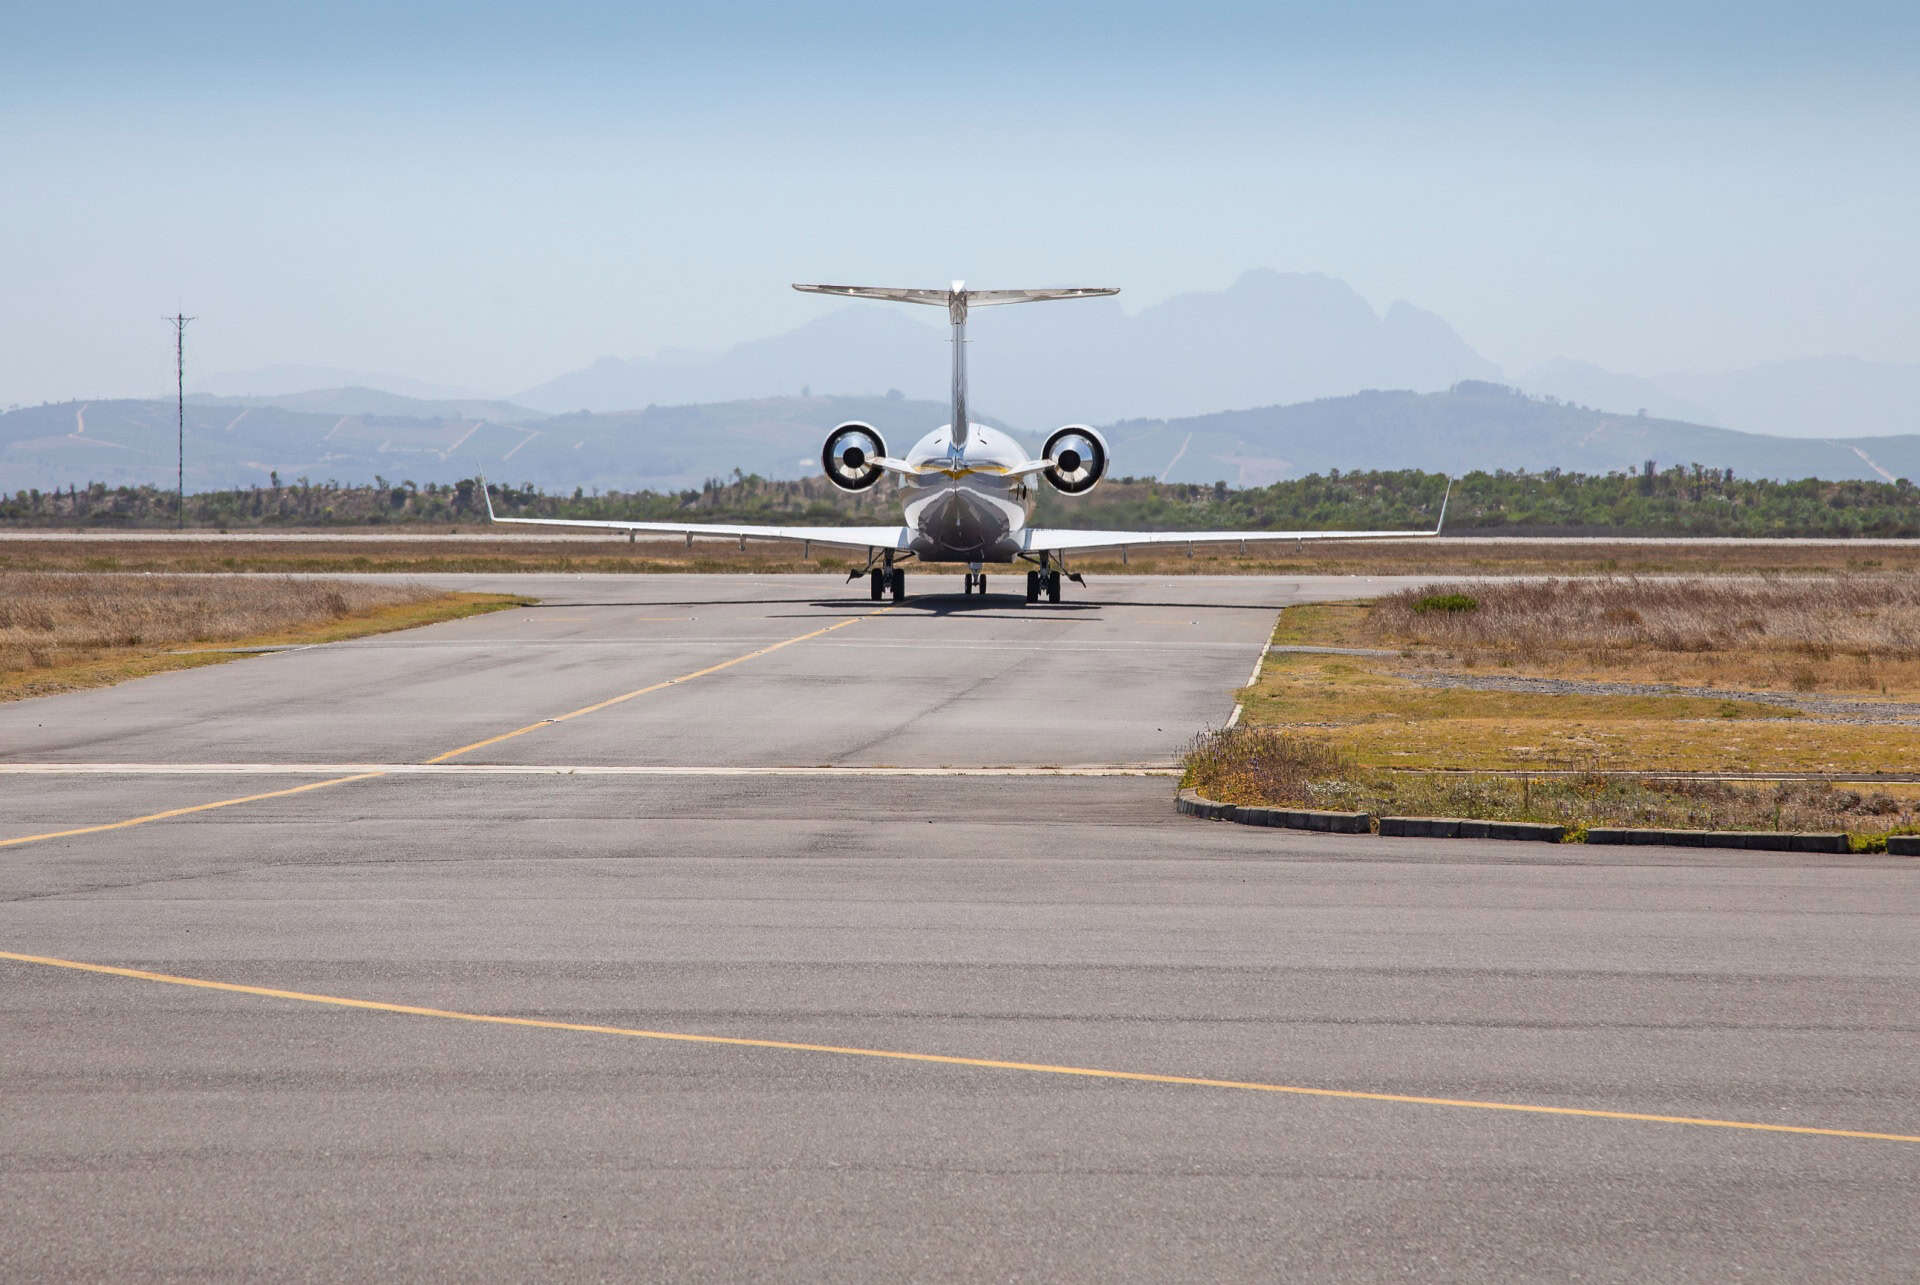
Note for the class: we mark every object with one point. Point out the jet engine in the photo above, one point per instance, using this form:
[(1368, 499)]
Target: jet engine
[(849, 454), (1079, 456)]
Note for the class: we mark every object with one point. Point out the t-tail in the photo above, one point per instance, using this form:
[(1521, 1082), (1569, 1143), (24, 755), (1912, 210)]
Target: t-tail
[(958, 299)]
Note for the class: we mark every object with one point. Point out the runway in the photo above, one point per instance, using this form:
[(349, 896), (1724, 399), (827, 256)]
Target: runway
[(723, 927)]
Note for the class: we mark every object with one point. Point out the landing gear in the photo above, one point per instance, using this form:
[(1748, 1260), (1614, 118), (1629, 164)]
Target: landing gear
[(1047, 581), (977, 583), (898, 577), (877, 583)]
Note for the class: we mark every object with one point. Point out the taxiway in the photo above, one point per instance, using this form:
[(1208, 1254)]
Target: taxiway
[(653, 930)]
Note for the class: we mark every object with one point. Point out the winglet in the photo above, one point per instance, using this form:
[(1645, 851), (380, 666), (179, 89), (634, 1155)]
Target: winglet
[(489, 499), (1443, 507)]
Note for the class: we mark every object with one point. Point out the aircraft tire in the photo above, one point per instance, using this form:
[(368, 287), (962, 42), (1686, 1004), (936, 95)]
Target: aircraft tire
[(899, 586), (1053, 586), (1033, 586), (877, 583)]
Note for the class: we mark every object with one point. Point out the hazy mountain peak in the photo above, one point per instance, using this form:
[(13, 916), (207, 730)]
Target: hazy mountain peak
[(1269, 337)]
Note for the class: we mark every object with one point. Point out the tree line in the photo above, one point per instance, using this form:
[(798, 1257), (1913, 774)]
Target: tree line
[(1678, 501)]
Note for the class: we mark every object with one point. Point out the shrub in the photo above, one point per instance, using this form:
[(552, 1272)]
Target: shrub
[(1450, 603), (1263, 764)]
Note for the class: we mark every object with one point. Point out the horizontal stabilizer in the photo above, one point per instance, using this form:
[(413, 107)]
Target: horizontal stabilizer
[(938, 297), (974, 298), (988, 298)]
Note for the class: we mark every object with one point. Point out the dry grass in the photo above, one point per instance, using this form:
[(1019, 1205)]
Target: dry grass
[(1380, 718), (59, 631), (1852, 635), (488, 549), (1819, 618), (1262, 765)]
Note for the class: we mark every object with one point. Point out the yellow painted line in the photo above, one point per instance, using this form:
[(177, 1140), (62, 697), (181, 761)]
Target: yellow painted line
[(438, 758), (180, 812), (942, 1059), (597, 706)]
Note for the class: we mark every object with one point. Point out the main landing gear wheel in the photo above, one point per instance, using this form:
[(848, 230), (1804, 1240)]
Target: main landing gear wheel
[(1033, 586), (899, 584), (877, 583), (1053, 586)]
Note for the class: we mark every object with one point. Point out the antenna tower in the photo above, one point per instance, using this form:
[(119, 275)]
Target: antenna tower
[(179, 324)]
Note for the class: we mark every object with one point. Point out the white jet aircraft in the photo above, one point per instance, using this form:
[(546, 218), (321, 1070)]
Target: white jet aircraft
[(966, 484)]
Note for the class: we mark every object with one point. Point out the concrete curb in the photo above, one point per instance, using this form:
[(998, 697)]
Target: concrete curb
[(1193, 803), (1903, 845), (1306, 819), (1750, 840), (1465, 828)]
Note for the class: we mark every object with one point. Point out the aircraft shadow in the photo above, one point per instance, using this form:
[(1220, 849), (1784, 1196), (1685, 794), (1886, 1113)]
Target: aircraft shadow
[(934, 604)]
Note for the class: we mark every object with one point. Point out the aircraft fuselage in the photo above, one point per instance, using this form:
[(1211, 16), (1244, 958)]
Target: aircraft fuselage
[(965, 508)]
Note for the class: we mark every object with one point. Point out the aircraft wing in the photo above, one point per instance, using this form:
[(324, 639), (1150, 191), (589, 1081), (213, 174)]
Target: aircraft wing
[(896, 537), (1054, 540)]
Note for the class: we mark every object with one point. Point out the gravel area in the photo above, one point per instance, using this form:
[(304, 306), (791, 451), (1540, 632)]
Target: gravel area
[(1823, 709)]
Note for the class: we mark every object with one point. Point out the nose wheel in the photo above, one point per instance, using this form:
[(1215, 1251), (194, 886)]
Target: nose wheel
[(977, 582)]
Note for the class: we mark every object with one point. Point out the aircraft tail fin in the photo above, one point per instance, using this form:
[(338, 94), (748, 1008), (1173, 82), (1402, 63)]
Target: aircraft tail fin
[(958, 298)]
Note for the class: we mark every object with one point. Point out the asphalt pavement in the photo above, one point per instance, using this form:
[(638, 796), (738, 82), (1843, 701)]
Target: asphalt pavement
[(724, 928)]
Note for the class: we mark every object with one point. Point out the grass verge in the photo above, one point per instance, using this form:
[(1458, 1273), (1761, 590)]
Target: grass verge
[(1421, 726), (62, 633), (1273, 766)]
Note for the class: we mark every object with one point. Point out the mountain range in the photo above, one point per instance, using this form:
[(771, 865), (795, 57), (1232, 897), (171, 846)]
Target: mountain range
[(1276, 376), (1270, 338), (1473, 425)]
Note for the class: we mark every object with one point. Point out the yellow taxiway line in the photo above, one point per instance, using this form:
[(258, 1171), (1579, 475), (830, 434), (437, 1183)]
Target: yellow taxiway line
[(942, 1059), (597, 706), (438, 758), (180, 812)]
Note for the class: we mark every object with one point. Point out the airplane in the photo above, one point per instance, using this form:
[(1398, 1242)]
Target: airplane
[(966, 484)]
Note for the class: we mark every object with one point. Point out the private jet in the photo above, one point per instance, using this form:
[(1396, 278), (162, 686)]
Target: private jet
[(965, 485)]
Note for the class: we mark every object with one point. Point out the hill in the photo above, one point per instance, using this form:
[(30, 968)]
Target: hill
[(228, 445), (1477, 425), (1474, 425), (376, 401)]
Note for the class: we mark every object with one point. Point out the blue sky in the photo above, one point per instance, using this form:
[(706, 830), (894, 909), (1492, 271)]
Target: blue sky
[(485, 196)]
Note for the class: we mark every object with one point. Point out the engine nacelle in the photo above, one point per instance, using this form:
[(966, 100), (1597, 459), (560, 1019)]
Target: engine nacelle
[(849, 454), (1079, 456)]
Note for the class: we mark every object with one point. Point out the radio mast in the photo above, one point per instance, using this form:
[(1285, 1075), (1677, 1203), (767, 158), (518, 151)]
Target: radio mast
[(179, 324)]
